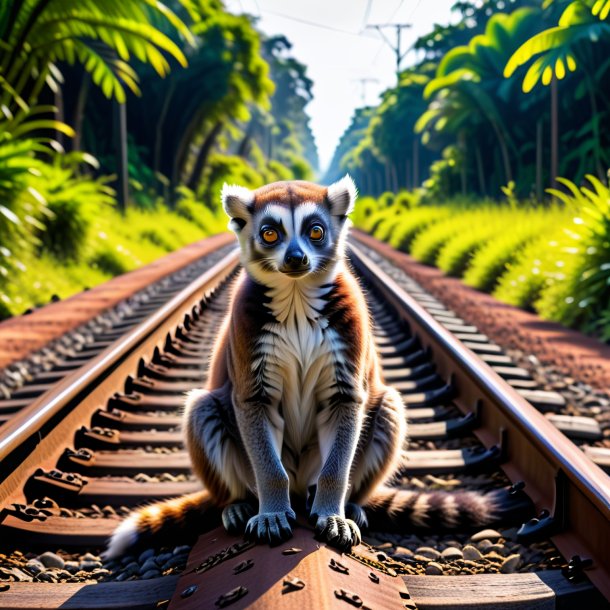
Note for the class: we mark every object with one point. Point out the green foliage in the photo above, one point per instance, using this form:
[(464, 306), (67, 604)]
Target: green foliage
[(73, 201), (209, 219), (582, 295), (103, 36), (428, 243), (365, 207), (558, 48), (527, 276), (109, 262), (413, 222)]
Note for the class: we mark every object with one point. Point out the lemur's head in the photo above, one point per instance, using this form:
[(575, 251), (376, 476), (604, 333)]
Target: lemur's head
[(295, 229)]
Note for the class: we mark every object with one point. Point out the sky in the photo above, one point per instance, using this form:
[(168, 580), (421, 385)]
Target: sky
[(330, 38)]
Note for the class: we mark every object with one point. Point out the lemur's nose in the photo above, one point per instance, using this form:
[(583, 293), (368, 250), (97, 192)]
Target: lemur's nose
[(296, 259)]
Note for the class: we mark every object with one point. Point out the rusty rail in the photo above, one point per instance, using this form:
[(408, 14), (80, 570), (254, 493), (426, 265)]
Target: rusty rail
[(56, 412), (574, 492), (221, 569)]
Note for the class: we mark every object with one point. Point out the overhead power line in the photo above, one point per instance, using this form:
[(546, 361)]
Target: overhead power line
[(314, 24), (395, 46)]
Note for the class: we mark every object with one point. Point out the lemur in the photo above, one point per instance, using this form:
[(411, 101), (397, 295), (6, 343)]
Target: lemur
[(295, 403)]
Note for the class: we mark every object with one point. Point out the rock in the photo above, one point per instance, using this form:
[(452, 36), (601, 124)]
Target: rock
[(497, 548), (51, 560), (428, 551), (381, 556), (89, 566), (151, 574), (46, 577), (421, 558), (72, 566), (491, 535), (20, 575), (384, 546), (434, 569), (100, 573), (131, 569), (162, 558), (484, 545), (181, 550), (34, 567), (147, 554), (402, 550), (471, 553), (174, 562), (62, 574), (149, 564), (510, 564), (90, 557), (452, 554)]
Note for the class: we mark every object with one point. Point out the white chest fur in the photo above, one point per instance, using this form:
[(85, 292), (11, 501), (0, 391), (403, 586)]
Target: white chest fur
[(297, 357)]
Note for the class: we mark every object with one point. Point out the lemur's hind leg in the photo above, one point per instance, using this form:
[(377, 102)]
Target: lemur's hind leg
[(381, 450), (215, 447)]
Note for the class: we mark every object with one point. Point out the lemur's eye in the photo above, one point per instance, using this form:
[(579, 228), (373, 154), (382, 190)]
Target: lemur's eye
[(316, 233), (269, 235)]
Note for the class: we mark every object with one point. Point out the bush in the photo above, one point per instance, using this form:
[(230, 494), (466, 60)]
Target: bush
[(524, 280), (74, 202), (413, 222), (472, 231), (582, 294), (430, 240), (110, 262)]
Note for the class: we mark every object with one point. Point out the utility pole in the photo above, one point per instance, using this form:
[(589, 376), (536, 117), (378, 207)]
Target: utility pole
[(363, 83), (397, 46)]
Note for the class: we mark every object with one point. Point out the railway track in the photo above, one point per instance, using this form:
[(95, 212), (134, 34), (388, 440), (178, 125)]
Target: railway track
[(103, 438)]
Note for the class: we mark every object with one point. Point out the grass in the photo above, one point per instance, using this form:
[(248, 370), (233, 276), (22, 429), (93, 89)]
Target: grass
[(552, 259), (115, 244)]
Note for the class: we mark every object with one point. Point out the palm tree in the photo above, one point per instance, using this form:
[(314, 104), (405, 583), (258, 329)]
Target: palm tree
[(102, 35), (560, 50), (469, 94)]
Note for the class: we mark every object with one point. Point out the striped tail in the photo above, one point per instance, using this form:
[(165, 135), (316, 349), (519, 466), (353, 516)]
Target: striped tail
[(176, 521), (396, 509)]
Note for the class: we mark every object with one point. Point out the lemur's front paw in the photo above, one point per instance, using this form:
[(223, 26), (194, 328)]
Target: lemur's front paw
[(272, 528), (339, 532), (236, 516)]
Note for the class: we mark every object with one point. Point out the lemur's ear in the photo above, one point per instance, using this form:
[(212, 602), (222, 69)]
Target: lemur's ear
[(342, 196), (237, 201)]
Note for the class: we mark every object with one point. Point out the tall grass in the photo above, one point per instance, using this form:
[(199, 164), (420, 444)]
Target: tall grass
[(552, 259)]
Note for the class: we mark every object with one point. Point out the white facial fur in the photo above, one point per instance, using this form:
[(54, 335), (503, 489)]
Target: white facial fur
[(266, 263)]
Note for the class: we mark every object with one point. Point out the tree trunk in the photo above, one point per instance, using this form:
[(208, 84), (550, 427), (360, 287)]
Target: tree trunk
[(159, 127), (462, 142), (79, 110), (243, 150), (120, 150), (59, 114), (539, 144), (415, 163), (508, 174), (596, 134), (554, 133), (394, 177), (378, 182), (203, 154), (480, 171)]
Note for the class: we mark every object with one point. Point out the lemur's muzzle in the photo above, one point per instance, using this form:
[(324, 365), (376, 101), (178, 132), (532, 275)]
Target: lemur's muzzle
[(296, 262)]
